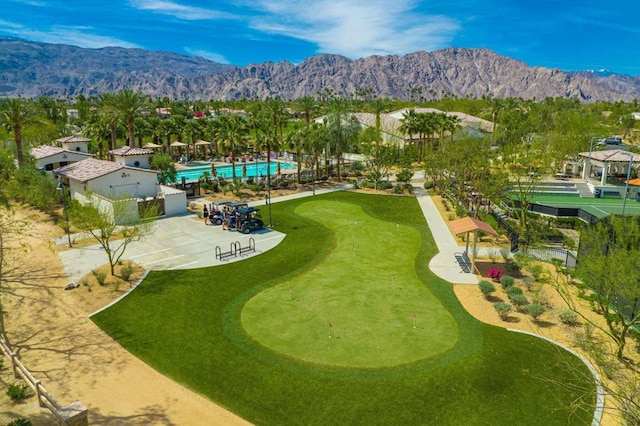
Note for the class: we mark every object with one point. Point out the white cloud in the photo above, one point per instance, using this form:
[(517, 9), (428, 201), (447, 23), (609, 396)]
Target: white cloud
[(355, 28), (188, 13), (77, 36), (212, 56)]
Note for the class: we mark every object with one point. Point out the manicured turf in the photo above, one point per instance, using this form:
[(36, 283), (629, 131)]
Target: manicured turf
[(189, 326), (367, 289), (599, 207)]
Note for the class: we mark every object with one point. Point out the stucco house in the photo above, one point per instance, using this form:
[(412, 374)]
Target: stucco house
[(132, 156), (73, 149), (106, 183)]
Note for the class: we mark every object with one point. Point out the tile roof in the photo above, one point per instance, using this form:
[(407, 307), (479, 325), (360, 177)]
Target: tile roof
[(611, 156), (45, 151), (124, 151), (89, 169), (73, 138)]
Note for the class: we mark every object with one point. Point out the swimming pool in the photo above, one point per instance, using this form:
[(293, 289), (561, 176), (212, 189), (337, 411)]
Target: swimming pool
[(258, 168)]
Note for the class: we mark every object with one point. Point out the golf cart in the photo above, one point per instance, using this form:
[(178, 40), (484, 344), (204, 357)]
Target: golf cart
[(248, 219), (217, 213)]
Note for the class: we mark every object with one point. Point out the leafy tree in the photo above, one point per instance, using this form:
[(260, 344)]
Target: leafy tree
[(15, 115), (164, 164), (609, 270), (115, 230), (344, 128)]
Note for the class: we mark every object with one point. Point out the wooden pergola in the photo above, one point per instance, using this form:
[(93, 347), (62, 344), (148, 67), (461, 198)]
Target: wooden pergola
[(467, 225)]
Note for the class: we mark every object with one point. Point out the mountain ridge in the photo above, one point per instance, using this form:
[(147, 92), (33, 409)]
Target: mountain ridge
[(31, 69)]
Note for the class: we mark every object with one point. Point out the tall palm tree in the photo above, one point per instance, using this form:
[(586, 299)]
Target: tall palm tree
[(344, 128), (232, 129), (15, 114), (129, 105), (104, 103), (308, 106)]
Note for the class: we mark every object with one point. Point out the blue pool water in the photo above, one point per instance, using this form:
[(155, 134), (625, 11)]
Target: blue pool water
[(254, 169)]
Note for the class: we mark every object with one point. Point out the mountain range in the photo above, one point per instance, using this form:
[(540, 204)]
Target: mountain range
[(32, 69)]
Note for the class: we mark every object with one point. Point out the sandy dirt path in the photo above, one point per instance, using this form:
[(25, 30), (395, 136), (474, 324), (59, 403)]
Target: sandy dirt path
[(49, 328)]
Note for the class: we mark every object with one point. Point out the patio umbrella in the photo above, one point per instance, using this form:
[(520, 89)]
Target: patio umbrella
[(179, 145), (151, 145), (214, 173)]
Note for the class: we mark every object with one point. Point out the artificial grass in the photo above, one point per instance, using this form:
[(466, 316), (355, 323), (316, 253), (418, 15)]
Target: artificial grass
[(187, 324), (363, 306)]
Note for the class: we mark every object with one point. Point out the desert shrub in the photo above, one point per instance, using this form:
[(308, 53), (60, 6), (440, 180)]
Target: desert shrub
[(101, 276), (486, 287), (505, 253), (385, 185), (397, 189), (536, 271), (528, 282), (356, 185), (519, 300), (506, 282), (503, 309), (215, 187), (20, 422), (222, 182), (445, 204), (567, 316), (428, 185), (126, 271), (284, 184), (408, 188), (542, 298), (535, 310), (257, 189), (356, 166), (17, 392), (366, 184), (404, 175), (513, 291)]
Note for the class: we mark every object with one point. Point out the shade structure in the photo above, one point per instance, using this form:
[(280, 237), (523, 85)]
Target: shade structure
[(177, 144), (201, 142), (635, 182), (467, 225), (151, 145)]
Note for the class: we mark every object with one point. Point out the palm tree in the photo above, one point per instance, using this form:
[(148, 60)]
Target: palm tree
[(344, 127), (98, 129), (104, 104), (232, 130), (409, 124), (129, 105), (308, 106), (15, 114)]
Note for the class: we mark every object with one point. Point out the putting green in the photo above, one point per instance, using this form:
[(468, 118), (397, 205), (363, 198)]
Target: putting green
[(363, 306)]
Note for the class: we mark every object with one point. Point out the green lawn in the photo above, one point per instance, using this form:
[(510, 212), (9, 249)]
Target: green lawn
[(244, 334)]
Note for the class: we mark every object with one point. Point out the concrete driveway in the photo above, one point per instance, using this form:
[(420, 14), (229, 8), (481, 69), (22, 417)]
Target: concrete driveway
[(179, 242)]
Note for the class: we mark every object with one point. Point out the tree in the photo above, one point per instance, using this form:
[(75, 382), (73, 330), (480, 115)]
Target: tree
[(128, 104), (232, 131), (609, 269), (15, 115), (114, 231), (166, 167), (343, 127)]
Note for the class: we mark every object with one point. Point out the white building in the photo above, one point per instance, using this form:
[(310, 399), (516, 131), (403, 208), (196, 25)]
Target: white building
[(106, 182), (73, 149), (132, 157)]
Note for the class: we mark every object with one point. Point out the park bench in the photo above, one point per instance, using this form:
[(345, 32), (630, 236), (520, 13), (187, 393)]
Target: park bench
[(463, 260)]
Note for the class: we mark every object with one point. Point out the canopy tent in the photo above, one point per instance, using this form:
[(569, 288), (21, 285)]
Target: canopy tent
[(467, 225), (151, 145), (202, 144), (179, 145)]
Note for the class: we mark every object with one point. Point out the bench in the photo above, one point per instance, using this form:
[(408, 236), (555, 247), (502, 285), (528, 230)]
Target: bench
[(463, 260)]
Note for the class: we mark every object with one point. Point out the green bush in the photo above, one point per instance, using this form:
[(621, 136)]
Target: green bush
[(101, 276), (486, 287), (512, 267), (397, 189), (404, 175), (506, 281), (126, 271), (536, 271), (385, 184), (366, 184), (567, 316), (503, 309), (519, 300), (428, 185), (17, 392), (20, 422), (535, 310), (257, 189), (513, 291)]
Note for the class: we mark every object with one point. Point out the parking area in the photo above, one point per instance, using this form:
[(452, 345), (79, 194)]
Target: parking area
[(182, 242)]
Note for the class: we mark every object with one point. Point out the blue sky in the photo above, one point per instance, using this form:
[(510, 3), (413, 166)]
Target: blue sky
[(565, 34)]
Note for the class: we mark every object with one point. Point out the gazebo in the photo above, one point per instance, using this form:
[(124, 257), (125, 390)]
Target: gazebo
[(612, 162), (467, 225)]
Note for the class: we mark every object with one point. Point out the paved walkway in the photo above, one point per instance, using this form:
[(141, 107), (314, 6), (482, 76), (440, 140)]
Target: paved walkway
[(183, 242)]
